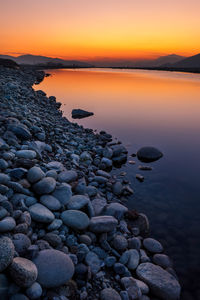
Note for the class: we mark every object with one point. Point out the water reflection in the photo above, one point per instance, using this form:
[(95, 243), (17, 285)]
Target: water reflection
[(142, 108)]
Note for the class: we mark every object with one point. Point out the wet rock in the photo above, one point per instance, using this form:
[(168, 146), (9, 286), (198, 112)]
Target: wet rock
[(162, 284), (80, 114), (103, 224), (149, 154), (41, 214), (54, 268), (152, 245), (23, 272), (75, 219), (45, 186), (6, 252)]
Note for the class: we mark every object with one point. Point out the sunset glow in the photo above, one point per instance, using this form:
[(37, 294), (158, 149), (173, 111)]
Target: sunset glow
[(86, 29)]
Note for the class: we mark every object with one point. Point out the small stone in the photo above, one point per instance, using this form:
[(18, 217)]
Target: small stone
[(50, 202), (93, 262), (34, 291), (103, 224), (120, 243), (109, 293), (7, 224), (139, 177), (110, 261), (116, 210), (35, 174), (77, 202), (23, 272), (28, 154), (7, 250), (162, 260), (21, 242), (152, 245), (63, 193), (133, 259), (41, 214), (149, 154), (45, 186), (67, 176), (75, 219)]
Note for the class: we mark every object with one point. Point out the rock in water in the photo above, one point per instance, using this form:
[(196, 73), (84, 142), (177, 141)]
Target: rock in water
[(6, 252), (54, 268), (149, 154), (80, 113), (162, 284)]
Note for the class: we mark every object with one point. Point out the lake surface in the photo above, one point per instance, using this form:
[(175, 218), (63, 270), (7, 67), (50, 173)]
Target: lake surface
[(149, 108)]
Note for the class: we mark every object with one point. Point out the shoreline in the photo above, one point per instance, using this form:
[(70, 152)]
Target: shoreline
[(57, 193)]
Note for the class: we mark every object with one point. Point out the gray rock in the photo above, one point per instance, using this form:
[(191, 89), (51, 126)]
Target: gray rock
[(54, 268), (110, 261), (41, 214), (109, 293), (35, 174), (93, 261), (103, 224), (63, 193), (120, 242), (117, 188), (20, 131), (143, 286), (131, 287), (77, 202), (55, 165), (34, 291), (28, 154), (45, 186), (67, 176), (149, 154), (134, 243), (50, 202), (103, 173), (56, 224), (80, 113), (21, 242), (162, 260), (7, 224), (98, 205), (7, 250), (75, 219), (116, 210), (4, 179), (133, 259), (23, 271), (161, 283), (3, 213), (152, 245)]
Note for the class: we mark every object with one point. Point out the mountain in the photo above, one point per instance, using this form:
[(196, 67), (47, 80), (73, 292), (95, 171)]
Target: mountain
[(8, 63), (29, 59), (189, 62), (167, 60)]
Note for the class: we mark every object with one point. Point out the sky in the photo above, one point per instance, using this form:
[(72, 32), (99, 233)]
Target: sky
[(99, 29)]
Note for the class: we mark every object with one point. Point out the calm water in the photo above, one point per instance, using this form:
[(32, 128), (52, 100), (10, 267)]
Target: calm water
[(160, 109)]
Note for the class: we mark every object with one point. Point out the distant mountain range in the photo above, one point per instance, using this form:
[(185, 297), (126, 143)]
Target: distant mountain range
[(29, 59), (171, 61)]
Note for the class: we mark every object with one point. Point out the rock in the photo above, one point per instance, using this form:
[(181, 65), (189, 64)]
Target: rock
[(132, 288), (117, 188), (4, 179), (7, 250), (20, 131), (55, 165), (133, 260), (17, 173), (18, 296), (45, 186), (50, 202), (109, 293), (142, 223), (93, 261), (67, 176), (149, 154), (41, 214), (35, 174), (27, 154), (75, 219), (34, 291), (63, 193), (110, 261), (143, 286), (77, 202), (162, 260), (54, 268), (116, 210), (23, 272), (98, 205), (161, 283), (120, 243), (103, 224), (3, 213), (21, 242), (80, 113), (7, 224), (152, 245), (139, 177), (103, 173)]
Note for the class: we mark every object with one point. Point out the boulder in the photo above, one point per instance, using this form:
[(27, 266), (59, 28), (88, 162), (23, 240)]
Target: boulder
[(149, 154)]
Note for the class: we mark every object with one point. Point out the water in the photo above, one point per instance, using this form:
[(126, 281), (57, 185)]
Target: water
[(160, 109)]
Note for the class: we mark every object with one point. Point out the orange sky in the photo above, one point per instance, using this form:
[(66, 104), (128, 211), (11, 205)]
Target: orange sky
[(84, 29)]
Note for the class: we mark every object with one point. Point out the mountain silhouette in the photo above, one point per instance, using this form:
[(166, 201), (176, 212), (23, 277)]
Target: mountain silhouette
[(189, 62)]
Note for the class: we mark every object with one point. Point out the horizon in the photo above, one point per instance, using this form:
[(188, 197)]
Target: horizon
[(85, 30)]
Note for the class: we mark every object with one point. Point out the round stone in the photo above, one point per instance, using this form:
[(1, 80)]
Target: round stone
[(133, 260), (40, 213), (161, 283), (120, 243), (109, 293), (149, 154), (7, 224), (54, 268), (103, 224), (152, 245), (162, 260), (45, 186), (35, 174), (34, 291), (50, 202), (67, 176), (7, 250), (77, 202), (28, 154), (23, 272), (63, 193), (21, 242), (75, 219)]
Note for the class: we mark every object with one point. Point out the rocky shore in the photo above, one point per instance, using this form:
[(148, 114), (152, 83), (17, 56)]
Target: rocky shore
[(65, 232)]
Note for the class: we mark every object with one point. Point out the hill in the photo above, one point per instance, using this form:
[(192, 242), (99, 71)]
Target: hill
[(8, 63), (189, 62)]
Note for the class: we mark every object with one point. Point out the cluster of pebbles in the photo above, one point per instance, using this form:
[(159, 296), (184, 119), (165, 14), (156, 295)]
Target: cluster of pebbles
[(64, 231)]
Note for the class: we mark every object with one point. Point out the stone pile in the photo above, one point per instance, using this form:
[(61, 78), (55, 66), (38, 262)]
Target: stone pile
[(64, 231)]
